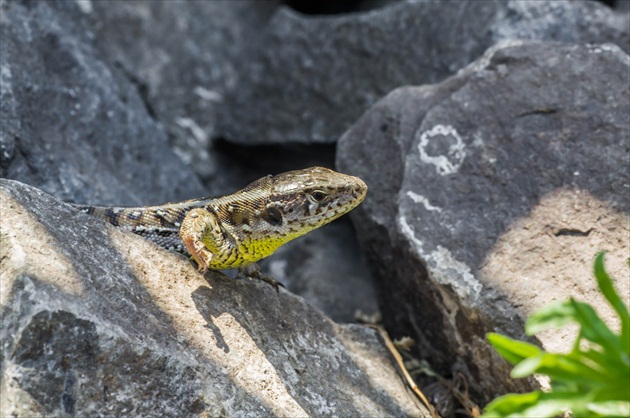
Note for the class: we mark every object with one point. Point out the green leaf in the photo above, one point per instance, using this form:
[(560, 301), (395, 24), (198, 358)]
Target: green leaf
[(617, 391), (558, 314), (513, 351), (594, 329), (527, 367), (610, 408), (511, 405), (554, 315), (591, 382), (535, 404), (553, 404), (606, 286), (562, 367), (605, 361)]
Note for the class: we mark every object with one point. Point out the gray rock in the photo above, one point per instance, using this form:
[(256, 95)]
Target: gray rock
[(85, 114), (562, 21), (183, 57), (73, 125), (326, 268), (490, 194), (259, 73), (622, 5), (311, 77), (100, 322)]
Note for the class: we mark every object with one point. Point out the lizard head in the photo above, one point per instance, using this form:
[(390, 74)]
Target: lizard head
[(303, 200), (274, 210)]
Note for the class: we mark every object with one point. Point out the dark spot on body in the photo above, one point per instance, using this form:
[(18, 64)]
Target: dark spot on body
[(384, 127), (111, 216), (135, 215), (160, 217)]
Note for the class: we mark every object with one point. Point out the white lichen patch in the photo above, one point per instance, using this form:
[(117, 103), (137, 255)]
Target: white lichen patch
[(85, 6), (446, 267), (482, 63), (444, 164), (443, 267), (200, 134), (423, 201), (208, 95)]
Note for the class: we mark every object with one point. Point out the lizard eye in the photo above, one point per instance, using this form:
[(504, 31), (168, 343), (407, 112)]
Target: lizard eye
[(318, 195)]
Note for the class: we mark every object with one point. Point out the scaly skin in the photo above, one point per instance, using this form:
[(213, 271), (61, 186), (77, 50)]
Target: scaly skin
[(239, 229)]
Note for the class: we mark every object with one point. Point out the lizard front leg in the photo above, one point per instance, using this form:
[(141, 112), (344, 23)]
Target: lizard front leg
[(198, 229)]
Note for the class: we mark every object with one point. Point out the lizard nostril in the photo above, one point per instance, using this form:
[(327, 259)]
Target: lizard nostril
[(359, 188)]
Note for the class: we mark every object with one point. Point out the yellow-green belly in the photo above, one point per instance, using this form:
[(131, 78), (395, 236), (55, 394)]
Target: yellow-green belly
[(248, 252)]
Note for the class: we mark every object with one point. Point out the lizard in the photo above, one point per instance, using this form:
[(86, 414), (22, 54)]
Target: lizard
[(237, 230)]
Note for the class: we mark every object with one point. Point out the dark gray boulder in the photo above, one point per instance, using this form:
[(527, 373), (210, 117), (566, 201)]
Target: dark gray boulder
[(86, 114), (73, 125), (490, 194), (258, 72), (100, 322), (183, 57), (311, 77)]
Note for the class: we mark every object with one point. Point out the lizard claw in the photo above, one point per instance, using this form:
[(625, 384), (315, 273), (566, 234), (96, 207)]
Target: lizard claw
[(276, 284), (253, 272)]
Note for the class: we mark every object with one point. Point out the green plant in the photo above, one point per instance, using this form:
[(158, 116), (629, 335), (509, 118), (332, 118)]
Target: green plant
[(590, 382)]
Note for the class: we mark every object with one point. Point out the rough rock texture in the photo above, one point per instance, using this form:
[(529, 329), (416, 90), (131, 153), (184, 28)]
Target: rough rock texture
[(71, 124), (92, 94), (85, 114), (100, 322), (258, 72), (490, 195), (313, 76), (326, 268), (183, 56)]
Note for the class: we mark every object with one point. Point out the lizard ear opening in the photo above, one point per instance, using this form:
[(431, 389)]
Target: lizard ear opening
[(273, 216)]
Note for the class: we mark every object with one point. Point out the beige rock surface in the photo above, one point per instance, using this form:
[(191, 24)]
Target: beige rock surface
[(97, 321)]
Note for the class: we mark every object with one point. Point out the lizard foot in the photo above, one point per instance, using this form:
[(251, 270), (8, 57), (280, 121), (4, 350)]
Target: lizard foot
[(193, 231), (253, 272), (203, 258)]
